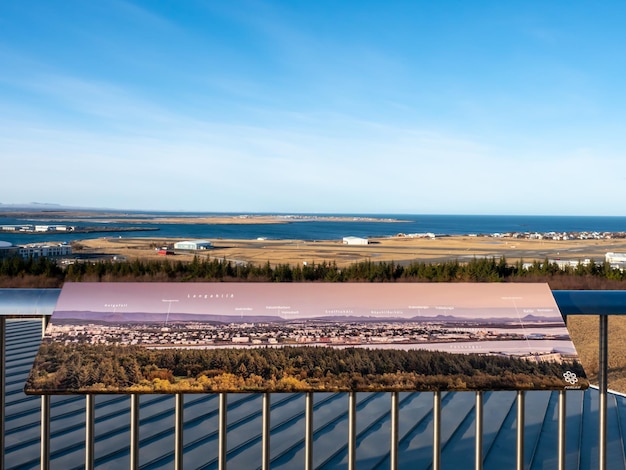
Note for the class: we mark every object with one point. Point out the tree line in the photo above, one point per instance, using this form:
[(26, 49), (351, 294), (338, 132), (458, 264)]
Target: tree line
[(44, 272), (110, 368)]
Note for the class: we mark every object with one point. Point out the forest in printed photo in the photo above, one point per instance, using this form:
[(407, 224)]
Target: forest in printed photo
[(84, 368)]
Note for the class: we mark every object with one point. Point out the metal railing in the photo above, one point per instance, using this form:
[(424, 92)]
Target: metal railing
[(600, 303)]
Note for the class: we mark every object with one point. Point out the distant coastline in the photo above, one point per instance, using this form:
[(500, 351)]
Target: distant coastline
[(244, 219), (319, 226), (74, 230)]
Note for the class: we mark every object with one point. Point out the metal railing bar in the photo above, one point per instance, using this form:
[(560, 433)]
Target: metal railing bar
[(223, 431), (420, 422), (521, 423), (266, 431), (201, 440), (158, 416), (603, 359), (436, 430), (61, 416), (167, 457), (243, 445), (134, 431), (352, 431), (179, 423), (308, 432), (562, 430), (507, 422), (340, 451), (44, 450), (89, 430), (543, 429), (254, 415), (74, 447), (393, 449), (478, 452), (322, 427), (235, 424), (120, 430), (374, 423), (101, 436)]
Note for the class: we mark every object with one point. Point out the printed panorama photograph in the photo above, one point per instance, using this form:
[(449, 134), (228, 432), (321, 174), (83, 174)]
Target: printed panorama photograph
[(304, 337)]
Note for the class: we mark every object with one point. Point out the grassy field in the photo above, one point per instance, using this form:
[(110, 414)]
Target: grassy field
[(398, 249), (584, 333)]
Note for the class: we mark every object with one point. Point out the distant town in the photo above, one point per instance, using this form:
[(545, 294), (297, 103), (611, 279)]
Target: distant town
[(189, 335), (533, 235), (60, 229)]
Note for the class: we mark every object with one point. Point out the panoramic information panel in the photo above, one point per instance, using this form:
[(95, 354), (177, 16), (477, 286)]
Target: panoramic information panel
[(286, 337)]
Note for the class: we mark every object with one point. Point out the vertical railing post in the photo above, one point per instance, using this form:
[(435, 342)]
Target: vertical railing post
[(44, 447), (308, 438), (562, 428), (44, 444), (134, 431), (521, 422), (223, 431), (3, 361), (436, 430), (603, 387), (478, 453), (266, 431), (89, 430), (393, 451), (178, 431), (352, 431)]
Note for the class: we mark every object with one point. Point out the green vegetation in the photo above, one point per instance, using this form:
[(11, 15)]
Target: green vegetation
[(111, 369), (16, 272)]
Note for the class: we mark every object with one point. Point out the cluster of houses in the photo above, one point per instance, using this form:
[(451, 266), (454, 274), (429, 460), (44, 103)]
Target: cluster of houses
[(531, 235), (558, 235), (191, 334), (28, 228)]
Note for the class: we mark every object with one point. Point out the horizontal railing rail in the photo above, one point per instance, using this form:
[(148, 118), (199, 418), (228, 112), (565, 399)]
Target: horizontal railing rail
[(599, 303)]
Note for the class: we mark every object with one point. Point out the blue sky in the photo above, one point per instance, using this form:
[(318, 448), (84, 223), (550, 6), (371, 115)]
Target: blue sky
[(448, 107)]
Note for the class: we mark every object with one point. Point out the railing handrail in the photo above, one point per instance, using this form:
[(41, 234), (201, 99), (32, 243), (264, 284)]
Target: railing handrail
[(591, 302)]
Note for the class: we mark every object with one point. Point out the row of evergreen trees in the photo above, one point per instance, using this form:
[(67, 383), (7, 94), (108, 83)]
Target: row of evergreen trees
[(44, 272), (80, 367)]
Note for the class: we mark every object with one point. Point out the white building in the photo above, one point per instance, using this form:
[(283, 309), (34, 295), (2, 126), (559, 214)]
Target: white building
[(193, 245), (355, 241), (38, 251), (17, 228), (615, 257)]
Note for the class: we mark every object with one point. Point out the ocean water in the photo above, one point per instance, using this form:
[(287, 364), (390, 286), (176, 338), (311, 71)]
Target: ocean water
[(328, 230)]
